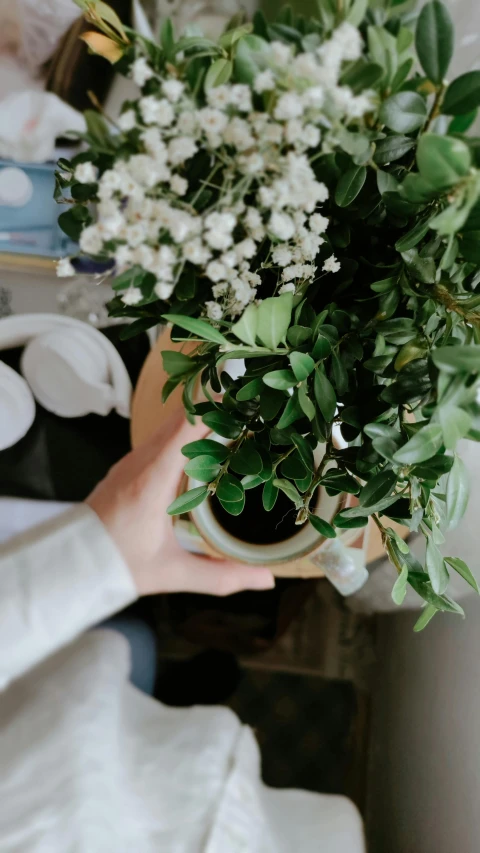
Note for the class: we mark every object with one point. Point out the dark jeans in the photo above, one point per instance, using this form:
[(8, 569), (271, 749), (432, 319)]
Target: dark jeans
[(143, 646)]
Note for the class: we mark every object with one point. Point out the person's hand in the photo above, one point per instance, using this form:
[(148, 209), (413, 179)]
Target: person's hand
[(132, 501)]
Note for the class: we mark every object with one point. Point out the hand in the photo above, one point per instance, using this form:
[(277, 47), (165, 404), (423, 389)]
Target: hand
[(132, 501)]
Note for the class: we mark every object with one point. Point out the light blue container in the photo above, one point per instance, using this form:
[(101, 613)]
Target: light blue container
[(28, 212)]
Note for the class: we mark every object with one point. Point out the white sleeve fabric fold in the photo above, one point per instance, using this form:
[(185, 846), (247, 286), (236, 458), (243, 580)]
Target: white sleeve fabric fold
[(56, 581)]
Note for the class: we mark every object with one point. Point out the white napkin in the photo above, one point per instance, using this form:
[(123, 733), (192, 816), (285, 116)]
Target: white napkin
[(31, 121), (19, 514), (17, 407), (72, 369)]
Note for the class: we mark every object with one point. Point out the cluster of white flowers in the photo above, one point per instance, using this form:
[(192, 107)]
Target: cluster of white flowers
[(268, 192)]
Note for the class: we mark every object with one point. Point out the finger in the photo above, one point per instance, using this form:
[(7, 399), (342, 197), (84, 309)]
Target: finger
[(218, 577)]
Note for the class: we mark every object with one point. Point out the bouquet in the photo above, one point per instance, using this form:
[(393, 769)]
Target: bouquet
[(302, 196)]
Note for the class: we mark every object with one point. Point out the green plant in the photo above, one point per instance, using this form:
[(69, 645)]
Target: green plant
[(302, 195)]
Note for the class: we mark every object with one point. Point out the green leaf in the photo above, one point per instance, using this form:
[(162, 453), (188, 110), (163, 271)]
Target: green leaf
[(274, 319), (219, 73), (230, 490), (206, 446), (426, 615), (413, 237), (189, 500), (246, 328), (222, 423), (199, 328), (392, 148), (246, 460), (434, 39), (322, 526), (399, 590), (339, 374), (470, 247), (270, 495), (305, 451), (338, 481), (361, 75), (305, 402), (423, 445), (297, 335), (357, 12), (378, 487), (403, 112), (463, 94), (442, 160), (463, 570), (457, 493), (322, 348), (462, 123), (349, 186), (271, 401), (455, 423), (458, 358), (436, 568), (410, 351), (251, 481), (289, 489), (418, 580), (422, 269), (203, 468), (324, 394), (167, 35), (251, 56), (292, 412), (348, 523), (250, 390), (293, 468), (302, 365), (176, 363), (282, 380)]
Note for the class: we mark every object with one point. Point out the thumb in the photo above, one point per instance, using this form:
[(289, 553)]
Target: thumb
[(218, 577)]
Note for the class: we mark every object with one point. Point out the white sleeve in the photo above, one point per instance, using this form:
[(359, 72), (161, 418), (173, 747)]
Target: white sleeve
[(57, 580)]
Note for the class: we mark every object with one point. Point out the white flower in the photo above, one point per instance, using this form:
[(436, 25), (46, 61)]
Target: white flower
[(251, 164), (241, 97), (91, 240), (229, 260), (220, 289), (273, 132), (111, 219), (135, 234), (318, 223), (65, 268), (216, 271), (281, 53), (181, 226), (349, 40), (214, 310), (127, 120), (141, 71), (86, 173), (145, 170), (212, 121), (163, 289), (237, 133), (252, 218), (264, 82), (152, 139), (180, 149), (246, 248), (310, 244), (353, 106), (287, 288), (123, 256), (156, 111), (196, 252), (310, 136), (293, 130), (281, 225), (220, 240), (132, 296), (304, 65), (314, 97), (281, 255), (187, 122), (178, 185), (173, 89), (219, 96), (242, 290), (224, 222), (144, 255), (288, 106), (331, 264)]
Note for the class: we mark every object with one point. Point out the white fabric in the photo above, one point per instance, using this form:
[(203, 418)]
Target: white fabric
[(88, 764), (31, 121), (17, 407), (71, 368)]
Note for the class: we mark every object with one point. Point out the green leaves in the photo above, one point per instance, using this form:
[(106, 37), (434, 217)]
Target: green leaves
[(399, 590), (206, 446), (270, 495), (246, 460), (442, 160), (302, 365), (203, 468), (350, 185), (436, 568), (378, 487), (459, 566), (274, 319), (324, 394), (219, 73), (222, 423), (246, 328), (289, 489), (423, 445), (457, 358), (434, 40), (457, 493), (188, 501), (392, 148), (322, 526), (282, 380), (198, 328), (403, 112), (176, 363), (463, 94), (231, 494)]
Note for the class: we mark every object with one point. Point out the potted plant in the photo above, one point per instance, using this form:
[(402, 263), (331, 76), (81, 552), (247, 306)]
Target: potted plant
[(302, 198)]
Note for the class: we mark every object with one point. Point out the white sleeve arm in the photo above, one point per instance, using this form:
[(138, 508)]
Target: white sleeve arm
[(57, 580)]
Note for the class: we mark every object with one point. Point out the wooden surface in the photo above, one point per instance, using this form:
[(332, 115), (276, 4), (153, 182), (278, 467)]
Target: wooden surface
[(148, 411)]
